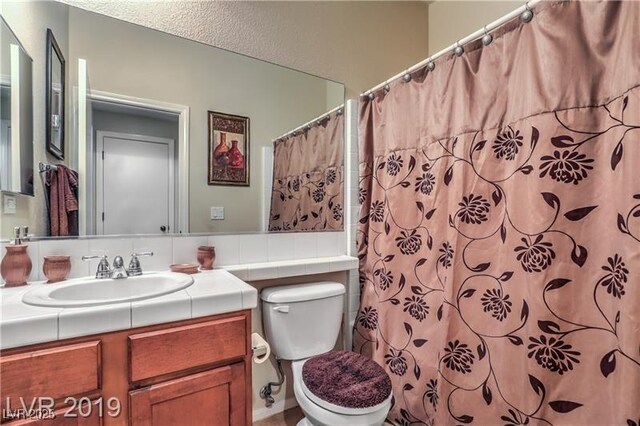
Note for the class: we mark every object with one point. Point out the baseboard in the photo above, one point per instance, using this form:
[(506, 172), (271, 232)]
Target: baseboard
[(275, 408)]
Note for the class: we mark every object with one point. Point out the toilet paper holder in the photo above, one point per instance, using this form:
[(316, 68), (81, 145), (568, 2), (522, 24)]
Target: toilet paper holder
[(260, 348)]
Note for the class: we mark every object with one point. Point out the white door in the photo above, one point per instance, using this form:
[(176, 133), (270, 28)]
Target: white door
[(134, 184)]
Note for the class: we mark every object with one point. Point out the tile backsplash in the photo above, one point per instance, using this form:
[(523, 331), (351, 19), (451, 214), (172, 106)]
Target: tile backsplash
[(230, 249)]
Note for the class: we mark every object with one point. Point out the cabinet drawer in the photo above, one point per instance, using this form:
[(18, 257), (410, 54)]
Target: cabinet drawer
[(55, 373), (175, 349)]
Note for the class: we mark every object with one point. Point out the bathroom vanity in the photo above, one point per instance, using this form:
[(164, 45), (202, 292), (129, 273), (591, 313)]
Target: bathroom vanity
[(191, 371)]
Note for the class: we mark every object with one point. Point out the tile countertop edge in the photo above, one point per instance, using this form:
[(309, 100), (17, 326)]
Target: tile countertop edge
[(292, 268), (16, 331), (232, 277)]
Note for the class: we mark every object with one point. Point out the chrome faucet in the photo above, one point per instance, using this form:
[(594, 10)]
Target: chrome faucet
[(103, 271), (134, 264), (119, 272)]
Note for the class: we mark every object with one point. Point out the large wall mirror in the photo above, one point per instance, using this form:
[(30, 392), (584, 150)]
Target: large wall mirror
[(166, 135), (16, 119)]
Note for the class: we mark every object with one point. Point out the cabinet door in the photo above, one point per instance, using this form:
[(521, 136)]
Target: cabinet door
[(214, 397)]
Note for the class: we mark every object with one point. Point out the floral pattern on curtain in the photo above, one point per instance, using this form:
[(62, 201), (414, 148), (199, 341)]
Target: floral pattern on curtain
[(308, 179), (499, 238)]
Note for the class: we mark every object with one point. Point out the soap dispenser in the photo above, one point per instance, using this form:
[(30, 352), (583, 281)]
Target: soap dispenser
[(16, 264)]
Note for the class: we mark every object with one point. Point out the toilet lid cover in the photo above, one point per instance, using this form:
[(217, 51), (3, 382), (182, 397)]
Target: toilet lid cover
[(346, 379)]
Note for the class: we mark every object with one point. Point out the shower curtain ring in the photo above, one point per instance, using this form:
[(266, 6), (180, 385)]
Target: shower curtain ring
[(406, 77), (487, 38), (387, 88), (430, 64), (527, 15), (459, 50)]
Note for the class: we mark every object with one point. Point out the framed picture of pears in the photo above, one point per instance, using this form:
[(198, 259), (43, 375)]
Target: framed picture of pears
[(228, 149)]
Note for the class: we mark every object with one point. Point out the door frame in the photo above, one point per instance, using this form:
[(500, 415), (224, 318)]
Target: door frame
[(182, 195), (99, 176)]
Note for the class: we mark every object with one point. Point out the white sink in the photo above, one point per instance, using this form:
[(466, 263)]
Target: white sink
[(92, 292)]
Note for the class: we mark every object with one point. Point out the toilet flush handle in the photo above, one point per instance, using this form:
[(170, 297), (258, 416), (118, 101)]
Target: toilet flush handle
[(284, 309)]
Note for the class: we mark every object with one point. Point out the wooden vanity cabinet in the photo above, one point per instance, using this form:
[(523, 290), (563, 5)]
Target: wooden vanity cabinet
[(194, 372)]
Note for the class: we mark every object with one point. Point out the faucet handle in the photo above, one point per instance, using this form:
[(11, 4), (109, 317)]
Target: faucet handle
[(118, 262), (103, 271), (134, 264)]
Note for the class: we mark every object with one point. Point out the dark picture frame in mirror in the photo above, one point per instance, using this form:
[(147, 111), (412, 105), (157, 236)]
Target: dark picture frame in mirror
[(55, 97), (228, 160)]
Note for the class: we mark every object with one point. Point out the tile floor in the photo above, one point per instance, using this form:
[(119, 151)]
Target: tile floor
[(287, 418)]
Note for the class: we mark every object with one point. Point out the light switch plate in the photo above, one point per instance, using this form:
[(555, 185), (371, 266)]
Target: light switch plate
[(217, 213), (9, 203)]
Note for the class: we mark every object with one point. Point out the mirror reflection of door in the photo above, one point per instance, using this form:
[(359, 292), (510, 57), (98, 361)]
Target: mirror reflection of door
[(135, 186)]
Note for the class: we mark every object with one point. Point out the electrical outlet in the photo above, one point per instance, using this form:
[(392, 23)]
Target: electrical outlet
[(217, 213), (9, 202)]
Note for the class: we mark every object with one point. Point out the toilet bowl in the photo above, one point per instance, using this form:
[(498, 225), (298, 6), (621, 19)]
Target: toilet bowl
[(302, 323), (321, 413)]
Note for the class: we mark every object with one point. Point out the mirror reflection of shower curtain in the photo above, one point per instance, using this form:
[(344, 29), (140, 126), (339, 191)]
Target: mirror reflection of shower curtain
[(308, 181), (499, 236)]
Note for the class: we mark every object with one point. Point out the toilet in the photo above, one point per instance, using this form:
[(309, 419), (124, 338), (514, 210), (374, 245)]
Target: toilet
[(333, 388)]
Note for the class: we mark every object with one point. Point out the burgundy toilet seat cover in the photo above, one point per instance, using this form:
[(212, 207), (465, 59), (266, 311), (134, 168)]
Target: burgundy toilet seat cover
[(346, 379)]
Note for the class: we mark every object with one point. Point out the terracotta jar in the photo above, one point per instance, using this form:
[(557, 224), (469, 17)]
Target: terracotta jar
[(236, 159), (56, 268), (222, 148), (16, 265), (206, 257)]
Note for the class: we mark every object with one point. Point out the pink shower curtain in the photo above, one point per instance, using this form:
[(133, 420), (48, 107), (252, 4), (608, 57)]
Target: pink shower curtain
[(499, 238), (308, 179)]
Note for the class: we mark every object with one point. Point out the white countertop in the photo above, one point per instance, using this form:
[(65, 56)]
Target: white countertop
[(213, 292)]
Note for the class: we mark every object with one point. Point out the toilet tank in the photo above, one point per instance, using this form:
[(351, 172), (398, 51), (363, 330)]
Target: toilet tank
[(302, 320)]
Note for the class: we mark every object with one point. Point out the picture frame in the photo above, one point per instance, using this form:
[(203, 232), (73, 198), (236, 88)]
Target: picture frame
[(229, 149), (55, 98)]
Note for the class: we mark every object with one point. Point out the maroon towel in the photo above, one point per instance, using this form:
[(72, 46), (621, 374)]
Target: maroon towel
[(63, 203), (346, 379)]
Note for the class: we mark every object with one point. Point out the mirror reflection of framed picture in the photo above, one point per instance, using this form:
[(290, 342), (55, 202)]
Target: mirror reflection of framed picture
[(55, 98), (228, 149)]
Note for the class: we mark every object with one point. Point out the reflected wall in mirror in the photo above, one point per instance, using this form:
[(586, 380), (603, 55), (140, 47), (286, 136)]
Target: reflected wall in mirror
[(55, 96), (140, 137), (16, 115)]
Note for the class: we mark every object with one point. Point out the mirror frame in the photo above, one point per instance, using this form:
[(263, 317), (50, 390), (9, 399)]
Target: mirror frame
[(52, 47)]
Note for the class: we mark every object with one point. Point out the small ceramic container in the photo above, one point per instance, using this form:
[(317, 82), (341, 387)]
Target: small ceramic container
[(206, 257), (16, 266), (56, 268)]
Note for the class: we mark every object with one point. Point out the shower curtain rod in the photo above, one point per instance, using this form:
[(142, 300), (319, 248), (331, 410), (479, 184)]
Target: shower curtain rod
[(459, 44), (309, 123)]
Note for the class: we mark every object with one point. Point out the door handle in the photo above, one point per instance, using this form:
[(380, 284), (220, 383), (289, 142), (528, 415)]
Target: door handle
[(282, 309), (163, 228)]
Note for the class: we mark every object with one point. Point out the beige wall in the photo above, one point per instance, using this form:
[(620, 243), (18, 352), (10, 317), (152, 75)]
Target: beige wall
[(452, 20), (359, 43), (32, 33)]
